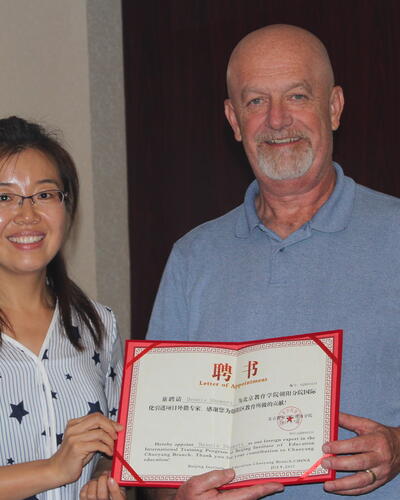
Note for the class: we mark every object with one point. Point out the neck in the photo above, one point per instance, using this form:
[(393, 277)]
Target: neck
[(284, 206), (24, 292)]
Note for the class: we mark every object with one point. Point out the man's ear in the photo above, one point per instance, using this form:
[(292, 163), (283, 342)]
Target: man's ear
[(336, 104), (231, 117)]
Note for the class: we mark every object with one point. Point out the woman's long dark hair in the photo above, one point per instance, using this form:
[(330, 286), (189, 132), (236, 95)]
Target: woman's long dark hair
[(17, 135)]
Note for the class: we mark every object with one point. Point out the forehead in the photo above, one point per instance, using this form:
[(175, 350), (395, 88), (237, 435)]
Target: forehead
[(276, 68), (30, 166)]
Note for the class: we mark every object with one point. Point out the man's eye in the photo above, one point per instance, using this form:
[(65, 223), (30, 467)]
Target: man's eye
[(255, 102), (298, 97)]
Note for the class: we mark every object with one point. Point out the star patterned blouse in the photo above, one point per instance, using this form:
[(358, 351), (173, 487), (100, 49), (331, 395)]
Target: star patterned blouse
[(39, 394)]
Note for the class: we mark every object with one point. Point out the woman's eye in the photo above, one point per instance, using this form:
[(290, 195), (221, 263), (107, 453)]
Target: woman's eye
[(5, 197), (45, 195)]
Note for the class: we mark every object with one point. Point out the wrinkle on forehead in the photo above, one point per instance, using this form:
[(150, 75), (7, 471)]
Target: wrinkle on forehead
[(282, 44)]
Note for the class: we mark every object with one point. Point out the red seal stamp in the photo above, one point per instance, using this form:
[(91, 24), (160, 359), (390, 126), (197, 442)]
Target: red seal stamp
[(289, 418)]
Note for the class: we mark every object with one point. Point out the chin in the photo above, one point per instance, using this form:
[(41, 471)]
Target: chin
[(284, 174), (282, 168), (30, 268)]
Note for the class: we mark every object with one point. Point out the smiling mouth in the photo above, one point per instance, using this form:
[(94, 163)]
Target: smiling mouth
[(26, 240), (285, 140)]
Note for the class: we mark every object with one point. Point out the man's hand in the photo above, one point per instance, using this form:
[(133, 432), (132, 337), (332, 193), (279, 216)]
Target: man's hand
[(205, 487), (374, 453), (102, 488)]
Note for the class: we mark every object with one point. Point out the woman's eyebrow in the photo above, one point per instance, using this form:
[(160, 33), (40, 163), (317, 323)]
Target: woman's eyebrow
[(48, 181), (41, 181)]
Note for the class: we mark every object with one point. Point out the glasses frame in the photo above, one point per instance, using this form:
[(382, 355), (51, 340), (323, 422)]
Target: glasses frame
[(22, 198)]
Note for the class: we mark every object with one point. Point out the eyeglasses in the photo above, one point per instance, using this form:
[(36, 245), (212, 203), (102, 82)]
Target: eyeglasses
[(43, 199)]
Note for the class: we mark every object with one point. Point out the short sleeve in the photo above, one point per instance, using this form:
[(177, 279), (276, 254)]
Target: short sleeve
[(169, 318), (113, 377)]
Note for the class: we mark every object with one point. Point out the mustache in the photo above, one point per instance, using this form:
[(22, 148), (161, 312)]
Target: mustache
[(268, 136)]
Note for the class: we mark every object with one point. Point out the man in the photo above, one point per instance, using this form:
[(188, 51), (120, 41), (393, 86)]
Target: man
[(309, 250)]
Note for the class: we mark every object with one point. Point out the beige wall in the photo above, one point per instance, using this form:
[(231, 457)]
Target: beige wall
[(61, 64)]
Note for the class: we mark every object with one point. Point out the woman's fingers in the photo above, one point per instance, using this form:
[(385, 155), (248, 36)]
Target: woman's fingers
[(102, 488), (82, 438)]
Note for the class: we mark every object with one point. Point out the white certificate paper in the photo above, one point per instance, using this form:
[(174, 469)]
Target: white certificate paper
[(263, 408)]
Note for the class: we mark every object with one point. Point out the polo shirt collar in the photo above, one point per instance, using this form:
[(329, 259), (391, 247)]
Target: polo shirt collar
[(334, 215)]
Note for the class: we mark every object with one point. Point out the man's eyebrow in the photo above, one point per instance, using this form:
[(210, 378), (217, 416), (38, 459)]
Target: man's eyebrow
[(251, 90), (302, 84)]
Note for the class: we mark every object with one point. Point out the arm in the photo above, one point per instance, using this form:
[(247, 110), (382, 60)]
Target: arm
[(205, 487), (83, 437), (375, 449), (101, 485), (37, 476)]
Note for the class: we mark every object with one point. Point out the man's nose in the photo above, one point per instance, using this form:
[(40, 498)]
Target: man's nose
[(26, 212), (278, 116)]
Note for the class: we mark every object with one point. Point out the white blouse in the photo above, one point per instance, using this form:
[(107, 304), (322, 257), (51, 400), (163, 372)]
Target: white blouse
[(39, 394)]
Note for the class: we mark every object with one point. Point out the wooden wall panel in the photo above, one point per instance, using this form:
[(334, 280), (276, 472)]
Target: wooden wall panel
[(184, 165)]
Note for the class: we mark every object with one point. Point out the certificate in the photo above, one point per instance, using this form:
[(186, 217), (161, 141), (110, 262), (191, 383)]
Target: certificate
[(263, 408)]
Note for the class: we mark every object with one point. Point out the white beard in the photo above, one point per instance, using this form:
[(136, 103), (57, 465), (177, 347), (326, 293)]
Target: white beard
[(281, 165)]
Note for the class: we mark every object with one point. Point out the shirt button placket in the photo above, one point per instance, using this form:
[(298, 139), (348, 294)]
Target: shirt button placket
[(278, 268)]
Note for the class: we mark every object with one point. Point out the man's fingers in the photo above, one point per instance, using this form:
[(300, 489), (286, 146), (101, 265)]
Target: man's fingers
[(207, 485), (357, 462), (364, 442), (360, 425), (253, 492), (373, 456), (209, 480), (356, 484), (359, 444)]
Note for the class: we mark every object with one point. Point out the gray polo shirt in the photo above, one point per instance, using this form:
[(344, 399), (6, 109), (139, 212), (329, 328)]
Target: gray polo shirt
[(233, 279)]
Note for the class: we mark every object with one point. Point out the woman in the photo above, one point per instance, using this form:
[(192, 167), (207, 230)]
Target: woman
[(60, 354)]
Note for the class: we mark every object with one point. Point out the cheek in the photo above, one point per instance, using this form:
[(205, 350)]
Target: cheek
[(63, 229), (250, 127), (316, 126), (254, 122), (4, 220), (58, 225)]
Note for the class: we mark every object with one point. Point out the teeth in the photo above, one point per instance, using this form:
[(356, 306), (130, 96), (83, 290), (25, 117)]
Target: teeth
[(283, 141), (25, 239)]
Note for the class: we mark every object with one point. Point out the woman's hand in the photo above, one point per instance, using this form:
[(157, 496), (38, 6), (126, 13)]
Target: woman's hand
[(83, 437), (102, 488)]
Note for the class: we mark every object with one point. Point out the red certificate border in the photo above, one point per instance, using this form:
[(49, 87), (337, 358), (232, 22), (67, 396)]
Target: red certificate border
[(144, 346)]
